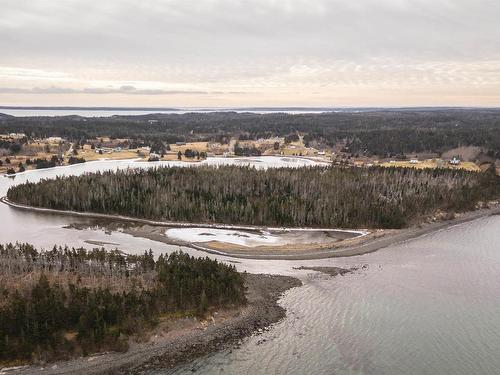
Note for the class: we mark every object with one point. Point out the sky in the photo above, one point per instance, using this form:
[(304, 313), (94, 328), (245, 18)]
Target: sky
[(235, 53)]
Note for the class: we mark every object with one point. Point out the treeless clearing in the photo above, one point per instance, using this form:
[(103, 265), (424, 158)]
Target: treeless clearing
[(195, 146), (90, 155), (433, 163), (298, 150), (19, 158)]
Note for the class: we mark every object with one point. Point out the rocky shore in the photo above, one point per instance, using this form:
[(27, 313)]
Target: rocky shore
[(184, 339), (331, 271), (375, 240)]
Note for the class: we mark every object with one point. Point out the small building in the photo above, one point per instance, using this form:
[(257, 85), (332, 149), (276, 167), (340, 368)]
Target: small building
[(180, 143), (154, 157), (413, 161), (17, 135), (455, 161)]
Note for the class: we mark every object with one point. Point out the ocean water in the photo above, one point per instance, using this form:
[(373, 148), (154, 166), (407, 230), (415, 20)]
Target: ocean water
[(427, 306), (108, 112)]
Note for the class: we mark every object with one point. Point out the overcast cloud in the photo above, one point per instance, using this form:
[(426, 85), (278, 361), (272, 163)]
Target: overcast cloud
[(253, 52)]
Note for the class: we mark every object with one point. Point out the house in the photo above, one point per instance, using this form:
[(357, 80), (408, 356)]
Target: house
[(154, 157), (17, 135)]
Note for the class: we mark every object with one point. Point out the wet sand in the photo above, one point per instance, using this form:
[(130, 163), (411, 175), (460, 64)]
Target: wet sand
[(376, 240)]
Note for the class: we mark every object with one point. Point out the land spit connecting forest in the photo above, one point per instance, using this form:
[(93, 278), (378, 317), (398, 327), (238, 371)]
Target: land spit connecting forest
[(318, 197), (64, 303)]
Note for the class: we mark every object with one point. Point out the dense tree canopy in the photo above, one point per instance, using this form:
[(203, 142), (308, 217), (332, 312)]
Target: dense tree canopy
[(68, 301), (375, 132), (317, 197)]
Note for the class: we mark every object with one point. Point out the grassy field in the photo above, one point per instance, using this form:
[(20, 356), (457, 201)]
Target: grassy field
[(195, 146), (15, 160), (90, 155), (433, 163)]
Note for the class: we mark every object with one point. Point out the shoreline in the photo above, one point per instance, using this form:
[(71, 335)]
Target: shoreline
[(368, 244), (170, 224), (319, 161), (190, 340)]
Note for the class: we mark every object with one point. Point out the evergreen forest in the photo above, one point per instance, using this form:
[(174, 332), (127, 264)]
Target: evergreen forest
[(304, 197), (66, 302)]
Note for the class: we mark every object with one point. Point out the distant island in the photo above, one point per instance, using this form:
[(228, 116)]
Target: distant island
[(327, 197)]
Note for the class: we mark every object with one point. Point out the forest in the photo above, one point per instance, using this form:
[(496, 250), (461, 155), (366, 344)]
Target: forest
[(67, 302), (385, 133), (313, 197)]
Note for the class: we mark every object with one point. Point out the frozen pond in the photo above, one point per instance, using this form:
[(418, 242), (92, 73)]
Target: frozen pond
[(260, 237), (224, 235)]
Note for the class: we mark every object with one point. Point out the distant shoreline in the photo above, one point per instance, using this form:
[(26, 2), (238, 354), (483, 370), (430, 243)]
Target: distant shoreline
[(366, 245), (168, 224), (97, 112)]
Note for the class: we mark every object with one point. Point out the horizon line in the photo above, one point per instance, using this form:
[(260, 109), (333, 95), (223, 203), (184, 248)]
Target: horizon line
[(237, 108)]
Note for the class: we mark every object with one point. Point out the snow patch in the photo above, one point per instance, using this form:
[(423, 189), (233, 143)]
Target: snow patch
[(235, 237)]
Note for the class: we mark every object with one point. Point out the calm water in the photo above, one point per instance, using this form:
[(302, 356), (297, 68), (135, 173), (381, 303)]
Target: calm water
[(25, 112), (45, 230), (429, 306)]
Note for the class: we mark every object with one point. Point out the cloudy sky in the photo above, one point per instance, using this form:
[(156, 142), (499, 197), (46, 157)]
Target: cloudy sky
[(250, 53)]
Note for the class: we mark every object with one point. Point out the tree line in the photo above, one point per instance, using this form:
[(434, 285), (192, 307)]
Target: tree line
[(66, 302), (314, 197), (372, 132)]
